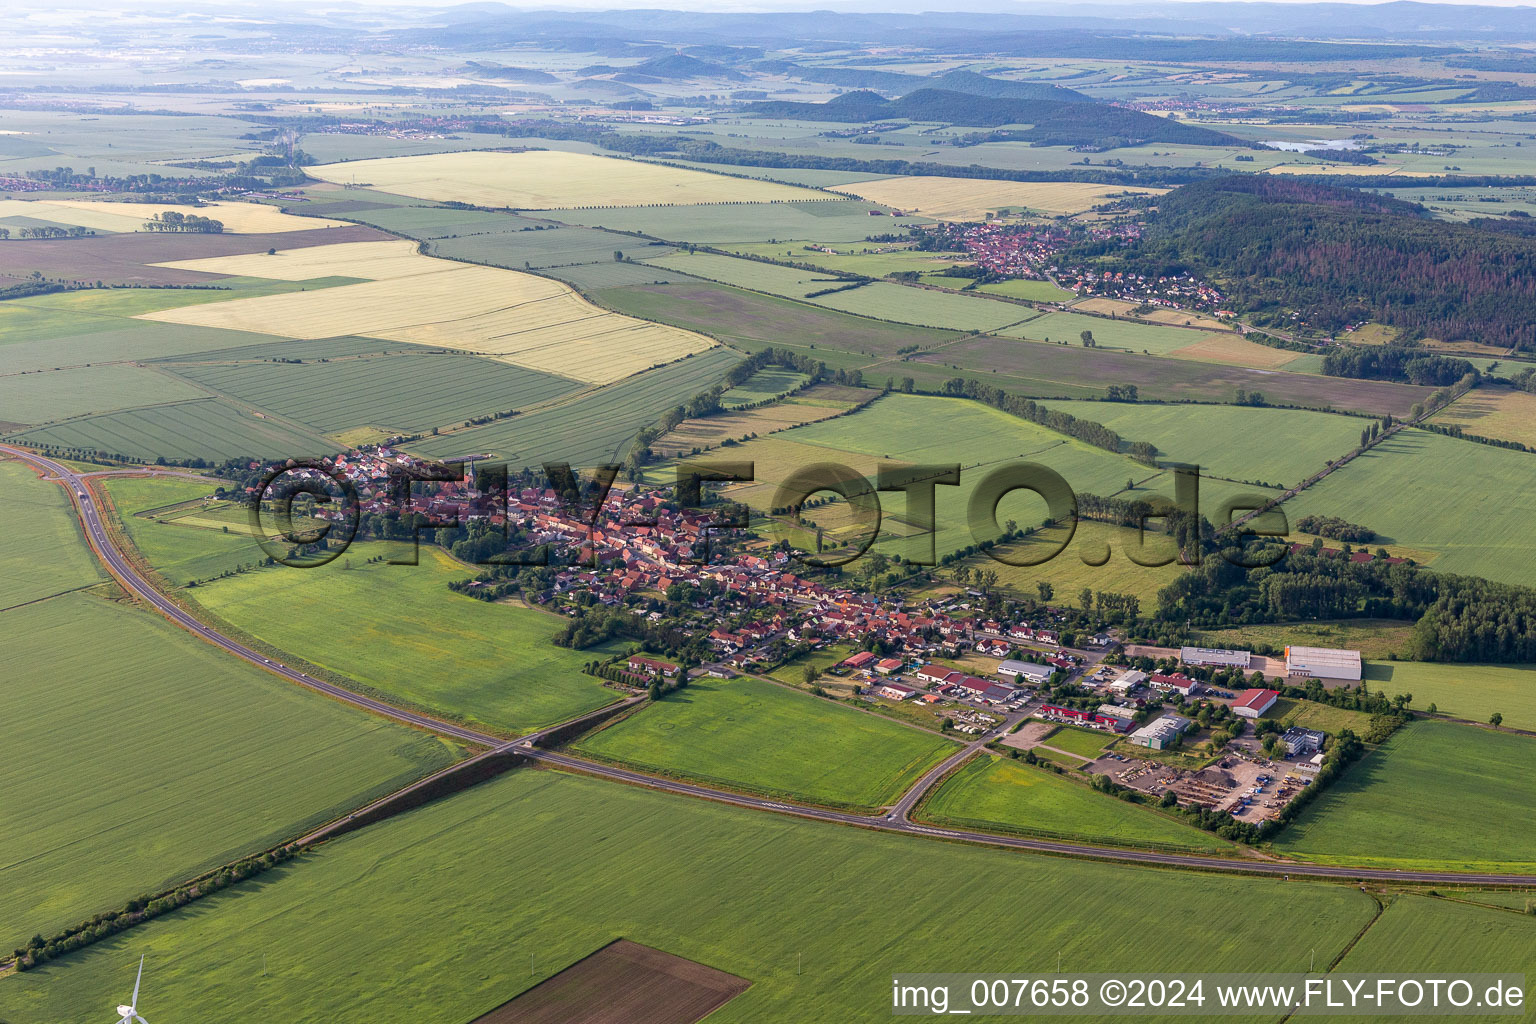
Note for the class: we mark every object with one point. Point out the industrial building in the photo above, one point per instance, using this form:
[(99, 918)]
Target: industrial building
[(1253, 703), (1160, 734), (1214, 656), (1025, 670), (1322, 663), (1302, 741)]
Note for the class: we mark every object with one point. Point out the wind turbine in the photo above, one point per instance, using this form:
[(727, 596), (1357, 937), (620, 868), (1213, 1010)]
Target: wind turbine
[(128, 1014)]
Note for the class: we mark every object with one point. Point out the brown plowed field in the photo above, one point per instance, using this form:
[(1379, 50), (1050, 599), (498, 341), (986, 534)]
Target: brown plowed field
[(623, 983)]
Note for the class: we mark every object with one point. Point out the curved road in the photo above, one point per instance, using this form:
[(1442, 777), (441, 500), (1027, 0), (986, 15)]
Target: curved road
[(136, 584), (895, 821)]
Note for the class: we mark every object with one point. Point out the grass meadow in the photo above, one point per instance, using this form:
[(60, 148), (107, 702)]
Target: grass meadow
[(1087, 742), (399, 631), (125, 776), (1001, 795), (551, 866), (1471, 692), (1436, 795), (753, 735), (179, 552)]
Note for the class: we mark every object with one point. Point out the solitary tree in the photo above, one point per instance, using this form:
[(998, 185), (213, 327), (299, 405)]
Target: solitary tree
[(1495, 719)]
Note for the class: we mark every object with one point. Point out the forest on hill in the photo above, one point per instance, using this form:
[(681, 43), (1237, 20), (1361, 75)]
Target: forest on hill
[(1341, 255)]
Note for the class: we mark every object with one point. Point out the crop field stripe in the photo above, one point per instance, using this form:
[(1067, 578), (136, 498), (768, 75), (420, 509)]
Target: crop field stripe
[(409, 392)]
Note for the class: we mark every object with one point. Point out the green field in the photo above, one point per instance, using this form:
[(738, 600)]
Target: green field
[(976, 437), (830, 221), (124, 776), (1435, 937), (1276, 446), (1461, 510), (998, 794), (594, 428), (1126, 334), (1472, 692), (399, 631), (1436, 795), (179, 553), (553, 246), (923, 307), (754, 321), (753, 735), (56, 394), (1064, 367), (49, 340), (432, 221), (1323, 717), (403, 393), (755, 275), (370, 928), (765, 384), (210, 428), (42, 550), (1087, 742), (1033, 291), (926, 307)]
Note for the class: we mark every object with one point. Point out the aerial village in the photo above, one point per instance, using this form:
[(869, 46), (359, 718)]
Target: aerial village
[(1094, 703)]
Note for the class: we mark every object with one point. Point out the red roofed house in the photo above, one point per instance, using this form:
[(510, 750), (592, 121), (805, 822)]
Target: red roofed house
[(885, 666), (1253, 703), (651, 667)]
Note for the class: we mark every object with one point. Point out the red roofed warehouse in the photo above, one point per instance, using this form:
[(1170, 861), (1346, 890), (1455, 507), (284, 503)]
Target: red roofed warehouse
[(1253, 703)]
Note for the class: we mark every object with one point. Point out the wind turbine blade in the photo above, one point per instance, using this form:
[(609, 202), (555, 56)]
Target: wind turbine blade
[(136, 982), (141, 1020)]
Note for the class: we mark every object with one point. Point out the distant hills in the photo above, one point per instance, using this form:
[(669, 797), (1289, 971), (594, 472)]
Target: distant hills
[(1052, 122), (892, 83), (673, 67)]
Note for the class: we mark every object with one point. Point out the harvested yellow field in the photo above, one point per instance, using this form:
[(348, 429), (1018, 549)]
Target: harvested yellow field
[(1235, 351), (518, 318), (371, 261), (237, 218), (1503, 414), (973, 198), (548, 180)]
